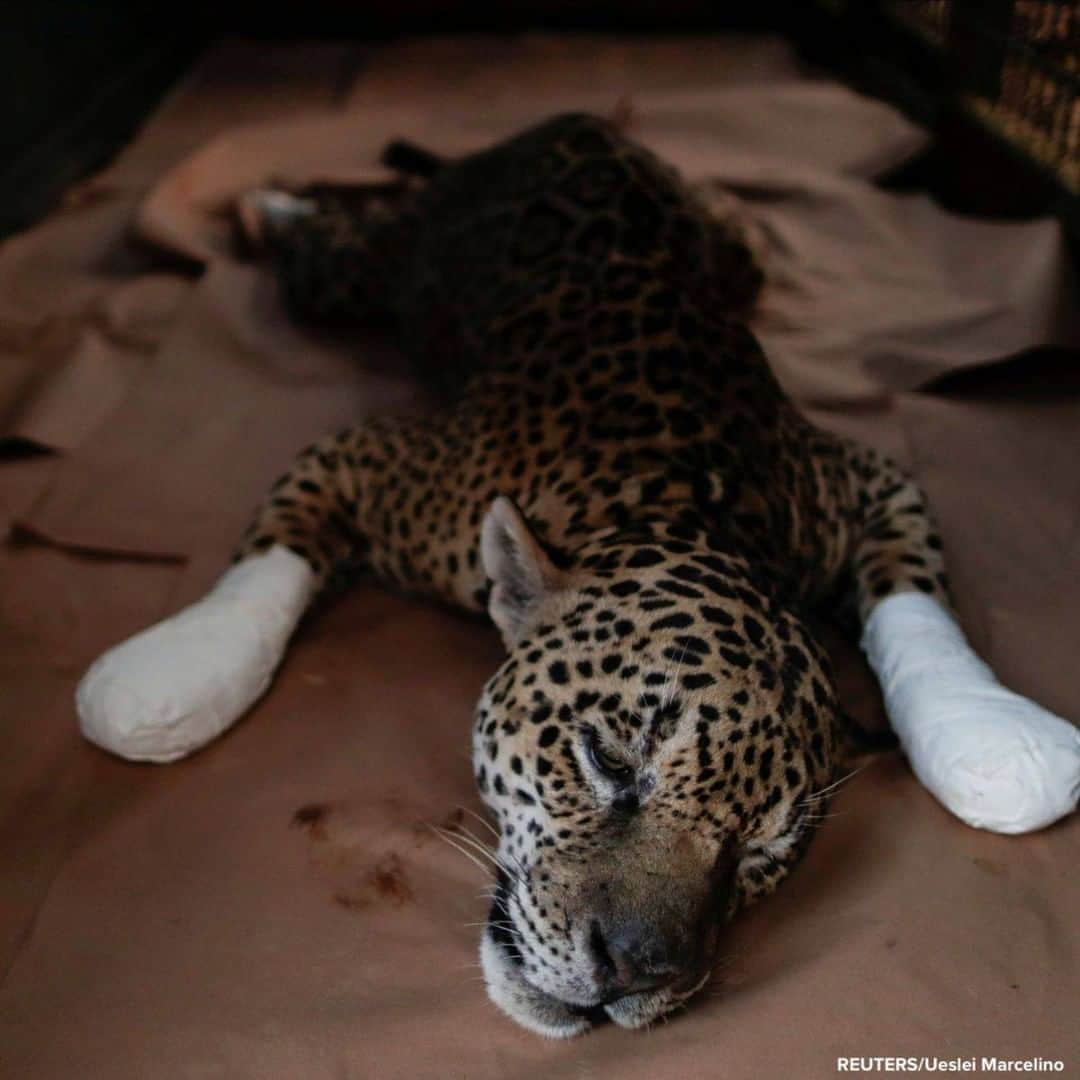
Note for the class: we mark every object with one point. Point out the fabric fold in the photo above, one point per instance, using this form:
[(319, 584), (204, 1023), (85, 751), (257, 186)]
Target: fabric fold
[(211, 420)]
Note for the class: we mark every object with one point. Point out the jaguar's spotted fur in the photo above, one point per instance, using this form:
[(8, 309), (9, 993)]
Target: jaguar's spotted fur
[(616, 475)]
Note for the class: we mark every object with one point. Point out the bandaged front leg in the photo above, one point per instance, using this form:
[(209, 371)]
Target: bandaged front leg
[(172, 688), (995, 759)]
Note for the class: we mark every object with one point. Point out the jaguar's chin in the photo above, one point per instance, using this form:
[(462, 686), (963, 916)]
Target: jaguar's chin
[(640, 1010), (538, 1011)]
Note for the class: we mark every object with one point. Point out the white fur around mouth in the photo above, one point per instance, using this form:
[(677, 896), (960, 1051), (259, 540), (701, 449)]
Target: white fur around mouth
[(540, 1012), (523, 1002)]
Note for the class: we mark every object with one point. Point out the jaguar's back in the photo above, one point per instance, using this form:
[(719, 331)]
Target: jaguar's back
[(554, 228), (580, 309)]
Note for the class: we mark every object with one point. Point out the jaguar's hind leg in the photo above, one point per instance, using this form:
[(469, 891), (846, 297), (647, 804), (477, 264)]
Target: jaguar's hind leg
[(995, 759), (729, 271), (336, 249)]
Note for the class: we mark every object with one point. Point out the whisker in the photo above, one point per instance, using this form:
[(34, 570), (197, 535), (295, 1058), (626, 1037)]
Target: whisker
[(476, 844), (723, 963), (464, 830), (464, 843), (463, 851), (814, 796), (488, 852), (483, 821), (515, 869), (671, 687)]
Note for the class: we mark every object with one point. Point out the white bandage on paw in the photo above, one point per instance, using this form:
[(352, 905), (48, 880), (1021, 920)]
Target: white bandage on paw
[(172, 688), (995, 759)]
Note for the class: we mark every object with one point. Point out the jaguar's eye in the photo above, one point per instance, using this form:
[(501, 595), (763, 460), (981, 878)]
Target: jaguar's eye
[(605, 762)]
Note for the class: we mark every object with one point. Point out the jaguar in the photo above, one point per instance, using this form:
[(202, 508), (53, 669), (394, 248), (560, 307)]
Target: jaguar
[(613, 473), (610, 471)]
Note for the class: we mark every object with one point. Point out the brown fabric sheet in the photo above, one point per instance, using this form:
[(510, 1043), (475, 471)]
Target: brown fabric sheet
[(180, 921)]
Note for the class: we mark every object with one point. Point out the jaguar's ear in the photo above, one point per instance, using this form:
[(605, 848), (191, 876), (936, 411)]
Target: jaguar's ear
[(520, 570)]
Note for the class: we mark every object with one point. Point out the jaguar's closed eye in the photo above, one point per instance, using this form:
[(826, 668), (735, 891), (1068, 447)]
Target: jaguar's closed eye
[(605, 762)]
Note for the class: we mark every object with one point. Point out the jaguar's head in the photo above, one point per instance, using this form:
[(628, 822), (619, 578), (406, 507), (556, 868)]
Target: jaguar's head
[(653, 749)]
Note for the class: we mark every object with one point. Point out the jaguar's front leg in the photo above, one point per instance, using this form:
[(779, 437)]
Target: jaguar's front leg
[(179, 684), (995, 759)]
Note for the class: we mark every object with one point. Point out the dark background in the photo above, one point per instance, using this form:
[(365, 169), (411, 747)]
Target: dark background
[(77, 78)]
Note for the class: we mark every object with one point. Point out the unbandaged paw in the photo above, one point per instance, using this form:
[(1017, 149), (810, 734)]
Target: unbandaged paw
[(995, 759), (172, 688), (265, 211)]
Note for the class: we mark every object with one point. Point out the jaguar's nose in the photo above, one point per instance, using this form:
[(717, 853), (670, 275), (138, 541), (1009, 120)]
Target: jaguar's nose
[(630, 957)]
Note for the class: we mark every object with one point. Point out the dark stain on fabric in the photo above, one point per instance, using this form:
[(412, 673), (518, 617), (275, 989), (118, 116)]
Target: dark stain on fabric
[(386, 881), (390, 882), (311, 816)]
